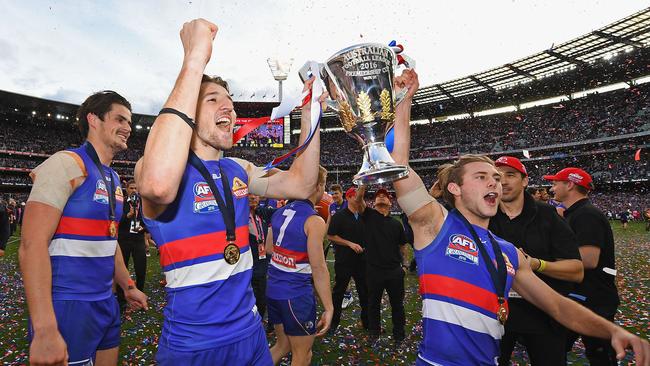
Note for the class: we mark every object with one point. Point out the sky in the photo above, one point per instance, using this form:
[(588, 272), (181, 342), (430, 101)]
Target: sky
[(66, 50)]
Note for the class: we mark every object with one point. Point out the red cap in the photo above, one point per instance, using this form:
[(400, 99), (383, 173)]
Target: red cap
[(575, 175), (351, 192), (382, 191), (512, 162)]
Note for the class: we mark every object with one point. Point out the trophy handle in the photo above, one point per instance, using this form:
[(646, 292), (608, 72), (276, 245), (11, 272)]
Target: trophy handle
[(408, 63)]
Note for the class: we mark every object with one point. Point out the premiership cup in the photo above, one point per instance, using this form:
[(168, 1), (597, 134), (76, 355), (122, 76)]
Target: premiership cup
[(359, 80)]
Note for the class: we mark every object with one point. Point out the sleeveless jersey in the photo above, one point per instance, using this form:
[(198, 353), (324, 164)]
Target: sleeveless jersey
[(459, 302), (82, 252), (335, 207), (289, 271), (210, 302)]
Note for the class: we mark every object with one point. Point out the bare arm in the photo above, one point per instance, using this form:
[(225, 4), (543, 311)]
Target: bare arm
[(561, 269), (315, 230), (575, 316), (168, 144), (427, 220), (269, 241), (590, 256), (39, 224), (358, 199), (300, 180)]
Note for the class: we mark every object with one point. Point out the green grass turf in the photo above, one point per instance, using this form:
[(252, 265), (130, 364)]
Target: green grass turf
[(349, 346)]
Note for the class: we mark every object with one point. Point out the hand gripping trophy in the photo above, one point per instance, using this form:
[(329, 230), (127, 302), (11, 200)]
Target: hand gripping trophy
[(359, 80)]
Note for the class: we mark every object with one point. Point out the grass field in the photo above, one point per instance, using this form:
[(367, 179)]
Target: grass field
[(349, 345)]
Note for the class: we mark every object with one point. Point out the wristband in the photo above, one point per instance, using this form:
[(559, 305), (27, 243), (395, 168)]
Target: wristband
[(542, 266), (130, 284), (183, 116)]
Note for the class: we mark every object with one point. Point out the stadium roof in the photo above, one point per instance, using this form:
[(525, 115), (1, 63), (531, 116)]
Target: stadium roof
[(622, 36)]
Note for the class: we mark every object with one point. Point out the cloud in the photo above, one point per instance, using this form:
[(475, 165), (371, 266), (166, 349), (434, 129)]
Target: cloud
[(69, 49)]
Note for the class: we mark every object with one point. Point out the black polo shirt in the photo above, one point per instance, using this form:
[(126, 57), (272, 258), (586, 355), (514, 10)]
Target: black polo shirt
[(383, 237), (592, 228), (349, 227), (543, 234)]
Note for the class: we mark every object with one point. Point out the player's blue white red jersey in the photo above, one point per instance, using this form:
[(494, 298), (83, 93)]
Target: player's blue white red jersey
[(459, 302), (82, 250), (289, 271), (335, 207), (209, 301)]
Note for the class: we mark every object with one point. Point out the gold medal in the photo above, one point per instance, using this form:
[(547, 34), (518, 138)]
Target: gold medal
[(502, 314), (112, 229), (231, 253)]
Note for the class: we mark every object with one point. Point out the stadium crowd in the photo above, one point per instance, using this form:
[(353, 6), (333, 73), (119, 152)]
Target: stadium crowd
[(606, 117)]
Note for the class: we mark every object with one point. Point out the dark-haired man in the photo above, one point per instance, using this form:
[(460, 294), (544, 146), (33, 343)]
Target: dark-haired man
[(385, 249), (596, 241), (196, 207), (552, 251), (69, 254)]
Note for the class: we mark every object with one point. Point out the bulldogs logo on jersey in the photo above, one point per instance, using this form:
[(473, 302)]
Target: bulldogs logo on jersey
[(119, 194), (239, 188), (204, 201), (101, 194), (463, 249)]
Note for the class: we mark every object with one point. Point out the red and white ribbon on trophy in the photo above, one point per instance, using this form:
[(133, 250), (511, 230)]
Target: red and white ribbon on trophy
[(284, 109)]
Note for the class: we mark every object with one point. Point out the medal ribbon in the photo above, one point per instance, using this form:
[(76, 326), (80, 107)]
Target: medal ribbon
[(287, 105), (498, 275), (227, 208), (90, 150)]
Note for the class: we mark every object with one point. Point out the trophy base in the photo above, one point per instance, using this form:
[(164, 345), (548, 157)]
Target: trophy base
[(383, 174)]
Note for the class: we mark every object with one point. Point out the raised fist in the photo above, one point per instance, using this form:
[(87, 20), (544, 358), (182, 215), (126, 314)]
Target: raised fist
[(197, 37)]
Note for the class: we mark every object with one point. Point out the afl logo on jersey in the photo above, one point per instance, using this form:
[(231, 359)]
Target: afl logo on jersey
[(463, 249), (101, 194), (204, 201)]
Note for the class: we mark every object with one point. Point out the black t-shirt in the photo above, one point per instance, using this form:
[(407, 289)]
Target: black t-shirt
[(543, 234), (592, 228), (349, 227), (383, 236), (129, 227)]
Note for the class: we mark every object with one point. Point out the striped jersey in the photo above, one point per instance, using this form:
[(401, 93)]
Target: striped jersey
[(289, 271), (210, 302), (459, 302), (82, 252)]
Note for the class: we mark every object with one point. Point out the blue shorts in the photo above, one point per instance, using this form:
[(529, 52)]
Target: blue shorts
[(297, 315), (86, 327), (249, 351)]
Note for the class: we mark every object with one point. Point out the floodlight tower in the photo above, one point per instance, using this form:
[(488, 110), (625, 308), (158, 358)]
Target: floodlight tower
[(280, 70)]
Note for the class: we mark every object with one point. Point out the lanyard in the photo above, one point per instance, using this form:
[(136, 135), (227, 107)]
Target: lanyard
[(498, 275), (90, 150), (227, 208)]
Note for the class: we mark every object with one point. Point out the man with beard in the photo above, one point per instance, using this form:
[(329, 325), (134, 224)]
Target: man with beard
[(596, 241), (195, 205), (385, 248), (552, 252), (465, 271), (346, 232)]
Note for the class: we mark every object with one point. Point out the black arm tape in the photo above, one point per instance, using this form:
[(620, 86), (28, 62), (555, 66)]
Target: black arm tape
[(183, 116)]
